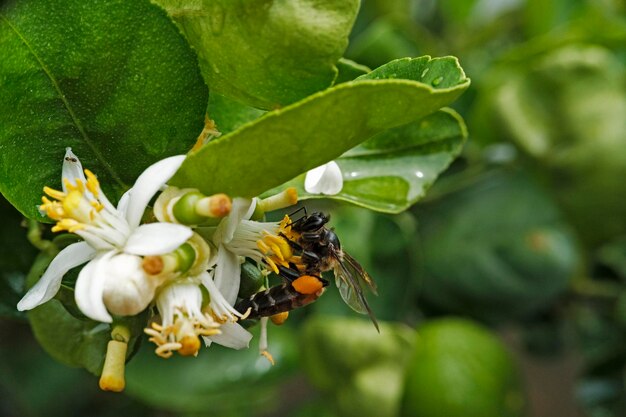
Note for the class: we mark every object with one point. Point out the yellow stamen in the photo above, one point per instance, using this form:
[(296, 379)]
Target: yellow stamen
[(80, 187), (190, 344), (92, 183), (97, 205), (268, 356), (287, 198), (57, 195), (263, 247), (272, 265)]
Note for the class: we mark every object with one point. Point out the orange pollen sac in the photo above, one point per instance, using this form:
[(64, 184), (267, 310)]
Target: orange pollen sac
[(307, 284), (279, 318), (190, 345)]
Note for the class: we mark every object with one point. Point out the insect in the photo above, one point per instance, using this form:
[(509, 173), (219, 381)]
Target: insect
[(321, 251), (297, 291)]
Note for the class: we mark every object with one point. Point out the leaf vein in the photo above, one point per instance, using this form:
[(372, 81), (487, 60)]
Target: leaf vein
[(70, 111)]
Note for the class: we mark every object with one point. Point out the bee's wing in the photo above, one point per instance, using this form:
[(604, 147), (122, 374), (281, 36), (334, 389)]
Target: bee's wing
[(348, 276)]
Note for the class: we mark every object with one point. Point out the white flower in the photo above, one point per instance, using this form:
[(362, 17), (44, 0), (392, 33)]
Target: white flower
[(325, 179), (83, 209), (182, 320), (238, 237)]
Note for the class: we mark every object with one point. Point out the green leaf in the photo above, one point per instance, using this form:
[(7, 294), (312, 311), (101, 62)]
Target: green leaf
[(266, 54), (284, 143), (115, 81), (16, 257), (229, 114), (222, 380), (395, 168), (349, 70), (496, 250)]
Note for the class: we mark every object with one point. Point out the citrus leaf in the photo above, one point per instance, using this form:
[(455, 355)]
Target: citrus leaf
[(222, 380), (349, 70), (229, 114), (16, 257), (266, 54), (284, 143), (115, 81), (395, 168)]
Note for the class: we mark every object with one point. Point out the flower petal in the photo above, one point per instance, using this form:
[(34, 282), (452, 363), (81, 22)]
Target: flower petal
[(72, 169), (242, 208), (48, 285), (233, 336), (157, 238), (227, 274), (326, 179), (89, 289), (148, 183), (122, 205)]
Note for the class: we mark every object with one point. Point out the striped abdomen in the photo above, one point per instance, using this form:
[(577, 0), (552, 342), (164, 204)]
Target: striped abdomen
[(274, 300)]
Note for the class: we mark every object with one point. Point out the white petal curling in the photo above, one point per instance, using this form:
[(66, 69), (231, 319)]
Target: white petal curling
[(122, 205), (233, 336), (72, 169), (156, 238), (49, 284), (227, 274), (90, 288), (148, 183), (325, 179), (242, 208)]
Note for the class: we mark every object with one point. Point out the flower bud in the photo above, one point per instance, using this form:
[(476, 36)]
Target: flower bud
[(128, 289)]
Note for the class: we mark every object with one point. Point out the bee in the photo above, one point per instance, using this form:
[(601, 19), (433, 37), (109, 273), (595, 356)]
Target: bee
[(297, 291), (319, 250)]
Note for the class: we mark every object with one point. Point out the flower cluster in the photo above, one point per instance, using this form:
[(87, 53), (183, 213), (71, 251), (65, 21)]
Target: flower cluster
[(184, 264)]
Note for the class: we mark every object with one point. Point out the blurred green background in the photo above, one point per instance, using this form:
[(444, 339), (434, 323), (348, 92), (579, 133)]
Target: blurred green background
[(502, 293)]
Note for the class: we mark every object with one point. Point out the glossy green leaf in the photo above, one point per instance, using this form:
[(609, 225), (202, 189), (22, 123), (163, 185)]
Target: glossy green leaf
[(115, 81), (284, 143), (497, 249), (74, 342), (229, 114), (220, 380), (395, 168), (16, 257), (266, 54), (349, 70)]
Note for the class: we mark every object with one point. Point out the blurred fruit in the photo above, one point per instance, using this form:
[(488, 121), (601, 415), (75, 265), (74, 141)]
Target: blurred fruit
[(497, 250), (460, 369), (360, 370)]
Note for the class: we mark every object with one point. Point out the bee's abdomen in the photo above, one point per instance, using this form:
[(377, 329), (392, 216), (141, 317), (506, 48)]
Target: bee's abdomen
[(274, 300)]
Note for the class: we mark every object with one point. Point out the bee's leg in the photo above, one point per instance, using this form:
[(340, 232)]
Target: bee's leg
[(290, 275)]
